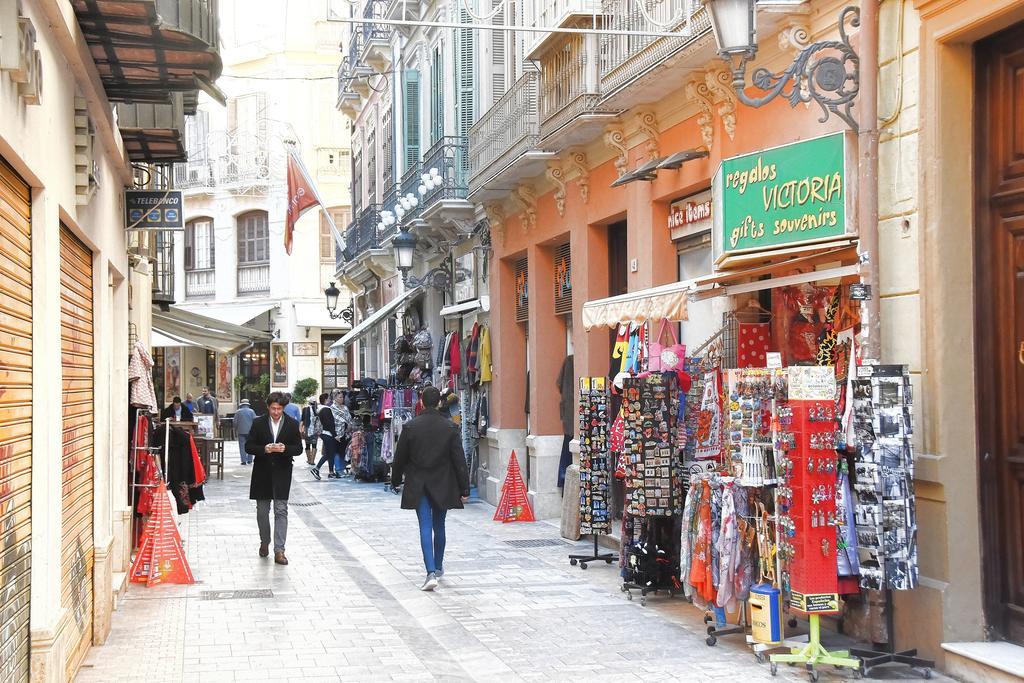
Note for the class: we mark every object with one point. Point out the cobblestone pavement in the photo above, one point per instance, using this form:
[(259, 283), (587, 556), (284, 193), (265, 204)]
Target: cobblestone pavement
[(348, 606)]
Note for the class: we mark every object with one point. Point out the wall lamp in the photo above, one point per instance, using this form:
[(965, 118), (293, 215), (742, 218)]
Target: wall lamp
[(826, 72)]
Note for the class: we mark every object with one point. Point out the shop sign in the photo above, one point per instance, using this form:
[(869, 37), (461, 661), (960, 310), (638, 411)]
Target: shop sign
[(814, 603), (812, 383), (784, 196), (153, 210), (690, 215)]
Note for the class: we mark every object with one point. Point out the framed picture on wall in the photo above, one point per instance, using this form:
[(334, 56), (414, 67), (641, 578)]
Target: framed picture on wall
[(279, 364), (225, 381), (464, 277), (305, 348)]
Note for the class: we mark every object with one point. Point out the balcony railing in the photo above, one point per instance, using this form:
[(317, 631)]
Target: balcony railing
[(253, 279), (241, 161), (375, 9), (410, 185), (388, 204), (200, 283), (627, 57), (362, 233), (506, 131), (569, 83), (446, 162), (194, 174)]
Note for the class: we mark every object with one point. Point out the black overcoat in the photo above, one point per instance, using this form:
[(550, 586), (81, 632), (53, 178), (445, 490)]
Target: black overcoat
[(272, 472), (429, 457)]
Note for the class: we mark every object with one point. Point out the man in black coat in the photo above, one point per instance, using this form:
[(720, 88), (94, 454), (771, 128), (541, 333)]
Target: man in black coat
[(273, 441), (429, 457), (177, 411)]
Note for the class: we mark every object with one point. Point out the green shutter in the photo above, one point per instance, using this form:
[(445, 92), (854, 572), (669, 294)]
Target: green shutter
[(411, 112), (465, 66), (437, 97)]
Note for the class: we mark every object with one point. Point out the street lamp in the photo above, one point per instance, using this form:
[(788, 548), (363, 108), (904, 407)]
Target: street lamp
[(332, 293), (826, 72), (404, 246)]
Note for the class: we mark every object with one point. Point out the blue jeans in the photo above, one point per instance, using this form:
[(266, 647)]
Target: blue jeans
[(243, 457), (431, 518), (330, 447)]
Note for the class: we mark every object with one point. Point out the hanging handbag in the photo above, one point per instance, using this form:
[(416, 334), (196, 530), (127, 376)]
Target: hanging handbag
[(655, 348), (672, 356)]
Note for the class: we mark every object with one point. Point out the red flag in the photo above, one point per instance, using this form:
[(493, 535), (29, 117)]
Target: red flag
[(300, 197)]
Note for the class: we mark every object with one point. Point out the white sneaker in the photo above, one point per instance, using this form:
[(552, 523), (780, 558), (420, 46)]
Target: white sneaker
[(439, 573), (431, 582)]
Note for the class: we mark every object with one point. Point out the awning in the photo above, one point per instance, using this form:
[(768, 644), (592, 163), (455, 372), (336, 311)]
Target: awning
[(839, 261), (163, 340), (197, 330), (236, 314), (375, 319), (667, 302), (460, 309), (310, 314)]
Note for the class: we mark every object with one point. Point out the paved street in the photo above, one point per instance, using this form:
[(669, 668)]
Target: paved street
[(348, 606)]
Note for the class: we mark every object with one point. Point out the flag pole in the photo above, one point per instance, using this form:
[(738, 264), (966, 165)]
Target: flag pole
[(293, 152)]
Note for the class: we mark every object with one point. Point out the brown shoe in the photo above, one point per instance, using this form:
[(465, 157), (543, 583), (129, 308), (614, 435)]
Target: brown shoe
[(264, 549), (279, 558)]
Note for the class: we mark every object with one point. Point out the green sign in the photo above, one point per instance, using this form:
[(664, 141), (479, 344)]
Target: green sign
[(783, 196)]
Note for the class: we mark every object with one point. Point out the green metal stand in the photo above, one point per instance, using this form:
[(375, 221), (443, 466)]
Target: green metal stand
[(813, 654)]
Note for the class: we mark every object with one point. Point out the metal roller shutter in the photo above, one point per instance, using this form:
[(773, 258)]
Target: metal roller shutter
[(15, 424), (76, 341)]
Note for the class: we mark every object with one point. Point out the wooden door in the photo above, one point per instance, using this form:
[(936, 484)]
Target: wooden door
[(76, 345), (15, 424), (999, 287)]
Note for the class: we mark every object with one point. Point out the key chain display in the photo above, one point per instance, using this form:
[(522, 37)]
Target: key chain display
[(595, 458), (652, 469)]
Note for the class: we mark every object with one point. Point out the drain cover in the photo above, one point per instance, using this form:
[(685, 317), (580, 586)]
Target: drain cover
[(306, 505), (237, 595), (536, 543)]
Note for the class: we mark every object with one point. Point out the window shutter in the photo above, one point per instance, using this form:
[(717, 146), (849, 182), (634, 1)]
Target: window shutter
[(498, 52), (437, 97), (190, 246), (464, 74), (563, 280), (522, 290), (388, 132), (411, 112)]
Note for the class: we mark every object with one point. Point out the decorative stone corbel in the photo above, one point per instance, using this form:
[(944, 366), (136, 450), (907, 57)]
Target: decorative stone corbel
[(579, 164), (648, 125), (527, 197), (616, 139), (795, 34), (496, 217), (698, 91), (556, 175), (720, 83)]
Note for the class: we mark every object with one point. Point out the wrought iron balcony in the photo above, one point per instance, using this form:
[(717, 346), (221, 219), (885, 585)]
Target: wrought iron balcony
[(361, 235), (243, 162), (570, 93), (200, 283), (359, 70), (504, 143), (376, 42), (253, 279), (194, 174), (348, 99), (388, 204), (628, 63), (447, 165), (410, 185)]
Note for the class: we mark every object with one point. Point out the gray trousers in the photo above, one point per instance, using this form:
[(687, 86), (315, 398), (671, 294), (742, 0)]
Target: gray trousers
[(280, 522)]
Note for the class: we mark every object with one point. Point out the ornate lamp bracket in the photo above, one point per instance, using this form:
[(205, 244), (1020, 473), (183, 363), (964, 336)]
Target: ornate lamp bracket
[(826, 72)]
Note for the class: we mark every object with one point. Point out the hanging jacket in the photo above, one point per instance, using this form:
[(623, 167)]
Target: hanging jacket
[(485, 355)]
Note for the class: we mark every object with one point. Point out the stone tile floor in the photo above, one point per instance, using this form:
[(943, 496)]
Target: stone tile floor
[(348, 606)]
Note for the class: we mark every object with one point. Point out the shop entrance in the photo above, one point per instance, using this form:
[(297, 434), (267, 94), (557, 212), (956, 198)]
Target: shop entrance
[(999, 288)]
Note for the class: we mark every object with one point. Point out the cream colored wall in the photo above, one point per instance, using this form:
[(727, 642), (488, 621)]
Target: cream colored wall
[(46, 161)]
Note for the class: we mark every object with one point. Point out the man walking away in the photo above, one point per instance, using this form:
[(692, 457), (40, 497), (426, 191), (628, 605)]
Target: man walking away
[(273, 441), (243, 423), (430, 459), (328, 433), (292, 410), (207, 404), (311, 428)]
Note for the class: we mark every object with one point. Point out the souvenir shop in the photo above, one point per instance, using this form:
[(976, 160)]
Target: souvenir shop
[(768, 474)]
